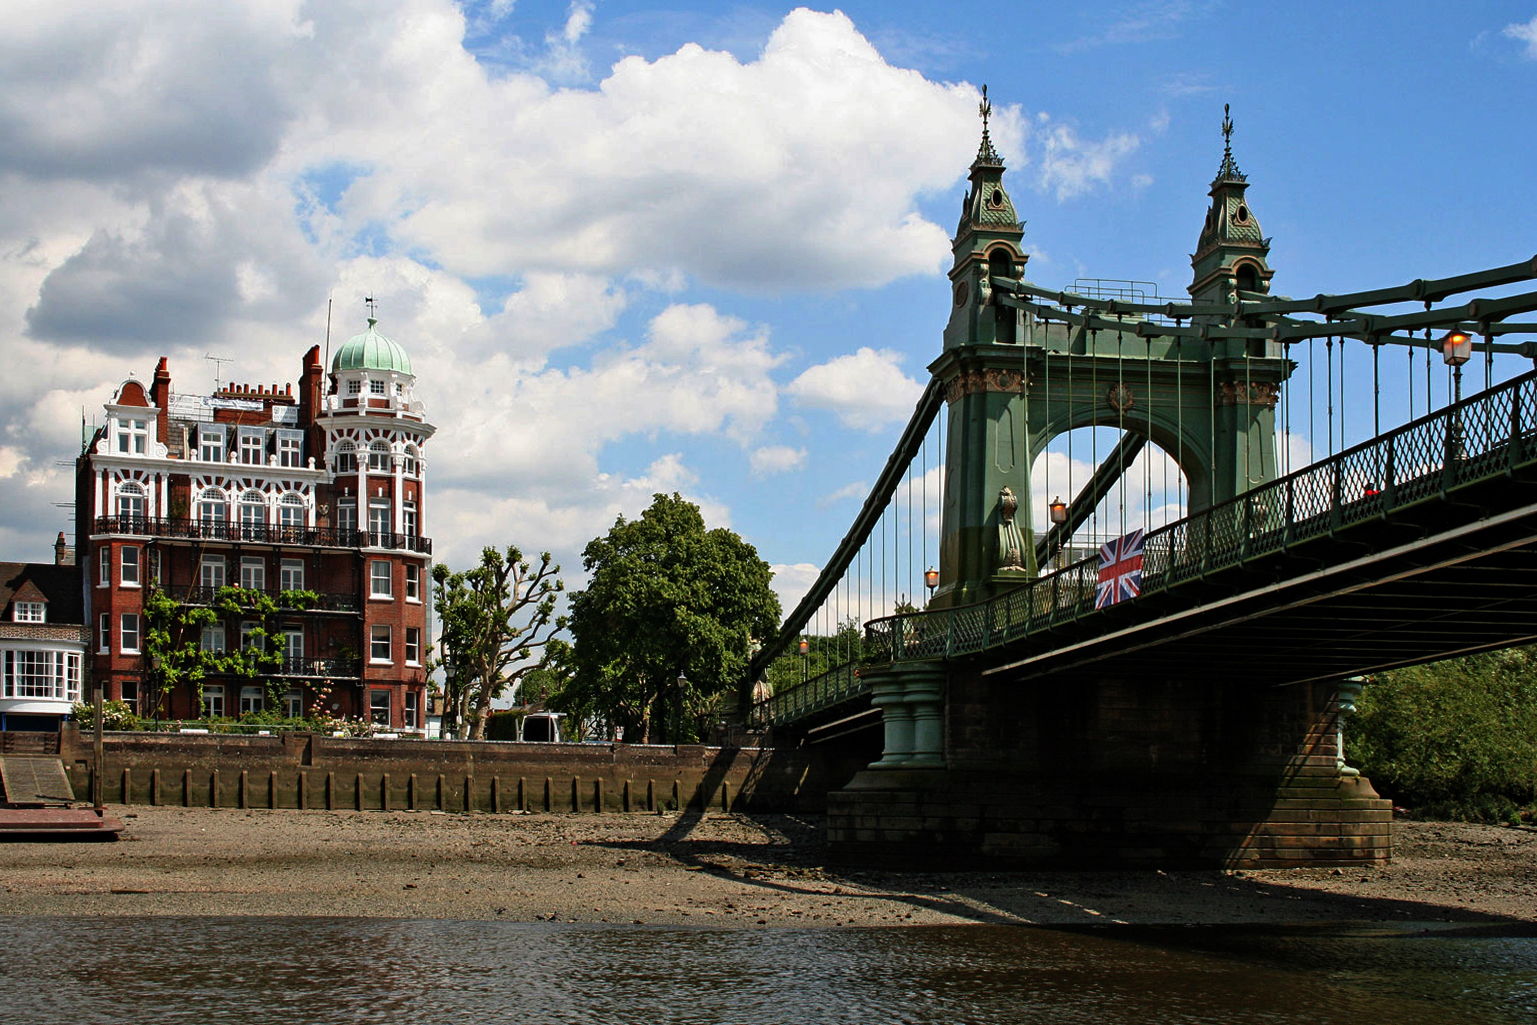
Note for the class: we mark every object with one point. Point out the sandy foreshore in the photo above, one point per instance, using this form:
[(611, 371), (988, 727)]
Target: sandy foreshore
[(716, 870)]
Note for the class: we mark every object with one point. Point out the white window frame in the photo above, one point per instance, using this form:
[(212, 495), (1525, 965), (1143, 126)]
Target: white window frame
[(413, 582), (212, 572), (293, 703), (290, 445), (104, 566), (347, 514), (129, 634), (291, 511), (413, 645), (252, 444), (210, 444), (214, 638), (381, 579), (381, 634), (346, 458), (408, 523), (376, 507), (293, 645), (379, 456), (131, 503), (132, 436), (104, 633), (129, 574), (354, 387), (291, 575), (253, 573), (213, 701), (29, 612), (376, 387), (213, 506)]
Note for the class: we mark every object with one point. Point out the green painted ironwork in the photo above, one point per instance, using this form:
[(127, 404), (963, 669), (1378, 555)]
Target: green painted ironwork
[(1484, 437)]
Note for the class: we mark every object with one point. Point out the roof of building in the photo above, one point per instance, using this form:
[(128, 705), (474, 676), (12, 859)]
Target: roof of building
[(371, 351), (59, 587)]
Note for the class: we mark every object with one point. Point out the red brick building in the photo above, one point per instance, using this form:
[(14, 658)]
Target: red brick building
[(311, 495)]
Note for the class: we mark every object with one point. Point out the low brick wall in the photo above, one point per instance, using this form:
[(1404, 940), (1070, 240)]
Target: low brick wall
[(311, 771)]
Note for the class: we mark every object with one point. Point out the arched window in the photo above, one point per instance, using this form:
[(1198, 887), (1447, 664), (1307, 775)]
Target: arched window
[(379, 456), (212, 507), (130, 502), (291, 510), (253, 514), (1248, 278), (346, 458), (411, 465)]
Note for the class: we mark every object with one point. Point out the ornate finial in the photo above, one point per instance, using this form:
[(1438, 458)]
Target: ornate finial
[(373, 307), (985, 153), (1229, 169)]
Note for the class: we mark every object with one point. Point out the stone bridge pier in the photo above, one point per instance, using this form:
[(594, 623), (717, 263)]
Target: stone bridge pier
[(1085, 771)]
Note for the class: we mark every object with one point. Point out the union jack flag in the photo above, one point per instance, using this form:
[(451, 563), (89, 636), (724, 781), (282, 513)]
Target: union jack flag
[(1120, 570)]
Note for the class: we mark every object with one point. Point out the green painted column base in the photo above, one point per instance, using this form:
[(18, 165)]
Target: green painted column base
[(911, 697)]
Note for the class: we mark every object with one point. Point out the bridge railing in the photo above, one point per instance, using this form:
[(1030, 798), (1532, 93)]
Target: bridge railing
[(1482, 437)]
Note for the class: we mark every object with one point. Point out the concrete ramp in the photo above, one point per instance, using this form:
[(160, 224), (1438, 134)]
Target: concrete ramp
[(31, 781)]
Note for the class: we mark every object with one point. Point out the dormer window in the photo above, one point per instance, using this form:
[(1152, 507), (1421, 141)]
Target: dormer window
[(376, 387), (210, 444), (132, 436), (29, 612), (252, 444), (354, 387), (290, 448)]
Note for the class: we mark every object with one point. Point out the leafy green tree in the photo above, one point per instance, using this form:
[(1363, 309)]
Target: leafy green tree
[(497, 619), (1456, 738), (666, 596)]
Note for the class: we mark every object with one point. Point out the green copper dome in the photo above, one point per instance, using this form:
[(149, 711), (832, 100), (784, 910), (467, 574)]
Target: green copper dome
[(371, 351)]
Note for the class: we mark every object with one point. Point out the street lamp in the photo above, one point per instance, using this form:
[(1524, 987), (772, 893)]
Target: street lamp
[(931, 579), (805, 647), (1456, 349), (1057, 510)]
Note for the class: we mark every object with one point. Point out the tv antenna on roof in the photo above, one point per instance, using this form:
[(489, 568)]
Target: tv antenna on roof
[(218, 368)]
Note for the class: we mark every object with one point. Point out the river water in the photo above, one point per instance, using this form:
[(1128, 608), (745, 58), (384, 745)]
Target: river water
[(171, 970)]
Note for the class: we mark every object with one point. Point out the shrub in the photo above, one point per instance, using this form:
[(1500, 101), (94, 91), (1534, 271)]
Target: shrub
[(1457, 739)]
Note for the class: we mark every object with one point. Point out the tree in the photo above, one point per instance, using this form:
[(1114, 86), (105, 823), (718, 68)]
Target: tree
[(1457, 738), (665, 596), (497, 618)]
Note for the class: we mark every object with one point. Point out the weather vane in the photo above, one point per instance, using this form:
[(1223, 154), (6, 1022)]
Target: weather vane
[(373, 307), (1227, 130), (985, 108)]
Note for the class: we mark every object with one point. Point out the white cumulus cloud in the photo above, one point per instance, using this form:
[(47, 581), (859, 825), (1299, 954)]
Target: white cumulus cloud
[(866, 390)]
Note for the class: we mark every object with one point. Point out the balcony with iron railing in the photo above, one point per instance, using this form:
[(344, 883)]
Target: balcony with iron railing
[(260, 533), (329, 601), (306, 667)]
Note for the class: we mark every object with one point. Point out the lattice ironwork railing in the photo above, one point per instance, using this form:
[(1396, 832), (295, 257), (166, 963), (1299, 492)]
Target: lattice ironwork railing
[(1483, 437), (824, 690)]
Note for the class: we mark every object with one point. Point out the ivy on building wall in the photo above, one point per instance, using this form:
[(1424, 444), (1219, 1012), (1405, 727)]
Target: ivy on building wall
[(174, 638)]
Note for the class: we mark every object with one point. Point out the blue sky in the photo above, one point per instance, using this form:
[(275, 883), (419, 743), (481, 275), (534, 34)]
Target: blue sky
[(696, 247)]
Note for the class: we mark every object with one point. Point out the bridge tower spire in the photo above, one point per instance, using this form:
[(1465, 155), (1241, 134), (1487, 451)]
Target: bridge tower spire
[(1230, 255)]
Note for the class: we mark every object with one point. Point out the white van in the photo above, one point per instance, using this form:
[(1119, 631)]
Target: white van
[(541, 727)]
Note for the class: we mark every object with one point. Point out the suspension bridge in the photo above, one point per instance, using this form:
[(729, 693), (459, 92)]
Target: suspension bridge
[(1269, 500)]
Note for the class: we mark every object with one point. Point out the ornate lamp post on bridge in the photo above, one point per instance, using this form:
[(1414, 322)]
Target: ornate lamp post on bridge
[(1456, 349)]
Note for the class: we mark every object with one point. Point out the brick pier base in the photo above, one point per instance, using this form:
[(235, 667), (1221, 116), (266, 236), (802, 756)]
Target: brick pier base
[(1104, 774)]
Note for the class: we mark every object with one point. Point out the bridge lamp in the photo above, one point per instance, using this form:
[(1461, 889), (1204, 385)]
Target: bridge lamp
[(931, 578), (805, 646), (1058, 509), (1456, 348)]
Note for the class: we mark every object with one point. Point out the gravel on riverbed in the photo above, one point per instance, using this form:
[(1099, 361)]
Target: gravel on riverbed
[(715, 870)]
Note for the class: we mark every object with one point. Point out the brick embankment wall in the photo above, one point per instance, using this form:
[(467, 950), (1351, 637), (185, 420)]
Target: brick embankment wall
[(311, 771), (1094, 773)]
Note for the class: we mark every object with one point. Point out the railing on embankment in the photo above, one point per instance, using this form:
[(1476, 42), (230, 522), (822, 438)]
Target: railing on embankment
[(1483, 438), (309, 771)]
